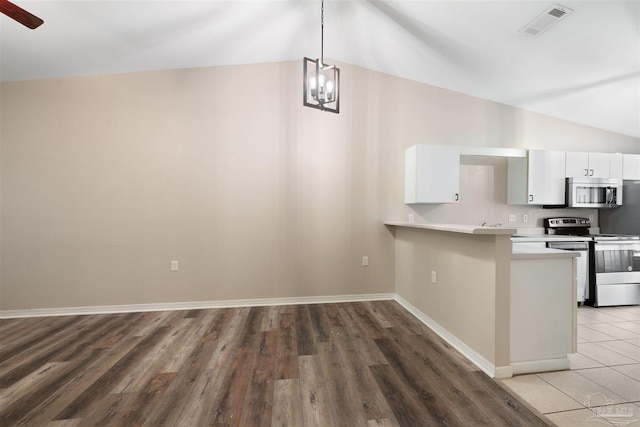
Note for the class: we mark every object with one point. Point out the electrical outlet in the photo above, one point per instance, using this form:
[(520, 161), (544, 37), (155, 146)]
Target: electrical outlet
[(365, 260), (525, 218), (512, 218), (433, 277), (174, 265)]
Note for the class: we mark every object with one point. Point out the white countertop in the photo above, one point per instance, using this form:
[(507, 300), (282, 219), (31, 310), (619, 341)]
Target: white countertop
[(519, 251), (456, 228)]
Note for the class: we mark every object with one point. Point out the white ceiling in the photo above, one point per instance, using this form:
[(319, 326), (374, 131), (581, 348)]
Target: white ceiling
[(585, 69)]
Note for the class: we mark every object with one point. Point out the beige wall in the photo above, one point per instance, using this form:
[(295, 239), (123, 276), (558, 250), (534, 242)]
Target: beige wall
[(105, 179), (470, 298)]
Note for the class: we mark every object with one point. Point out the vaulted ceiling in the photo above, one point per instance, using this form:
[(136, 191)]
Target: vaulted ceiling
[(585, 68)]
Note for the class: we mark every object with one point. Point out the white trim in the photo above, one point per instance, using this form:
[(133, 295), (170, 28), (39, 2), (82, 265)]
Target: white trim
[(195, 305), (468, 150), (503, 372), (478, 360), (544, 365)]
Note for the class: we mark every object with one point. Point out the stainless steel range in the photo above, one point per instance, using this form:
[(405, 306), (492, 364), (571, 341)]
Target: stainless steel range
[(613, 262)]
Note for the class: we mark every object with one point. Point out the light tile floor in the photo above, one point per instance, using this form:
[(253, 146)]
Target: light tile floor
[(603, 385)]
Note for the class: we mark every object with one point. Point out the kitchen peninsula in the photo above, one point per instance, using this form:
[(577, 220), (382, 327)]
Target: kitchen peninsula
[(508, 312)]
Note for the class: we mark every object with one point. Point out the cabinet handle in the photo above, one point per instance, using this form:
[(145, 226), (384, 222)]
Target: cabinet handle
[(586, 172), (590, 172), (457, 197), (531, 197)]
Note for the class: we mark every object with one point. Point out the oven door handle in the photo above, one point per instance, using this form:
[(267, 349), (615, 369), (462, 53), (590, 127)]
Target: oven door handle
[(569, 246), (617, 246)]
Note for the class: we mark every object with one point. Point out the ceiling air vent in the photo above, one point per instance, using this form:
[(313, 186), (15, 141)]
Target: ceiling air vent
[(545, 20)]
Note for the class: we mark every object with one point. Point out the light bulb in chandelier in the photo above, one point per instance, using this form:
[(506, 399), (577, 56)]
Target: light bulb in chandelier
[(329, 91), (313, 87)]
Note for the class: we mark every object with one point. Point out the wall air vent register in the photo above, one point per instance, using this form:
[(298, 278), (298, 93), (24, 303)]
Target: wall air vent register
[(545, 20)]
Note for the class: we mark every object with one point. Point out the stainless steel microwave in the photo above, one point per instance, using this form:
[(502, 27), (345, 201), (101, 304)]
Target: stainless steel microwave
[(594, 192)]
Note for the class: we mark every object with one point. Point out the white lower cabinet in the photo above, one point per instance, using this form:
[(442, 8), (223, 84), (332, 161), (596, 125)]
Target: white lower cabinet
[(543, 314), (538, 179)]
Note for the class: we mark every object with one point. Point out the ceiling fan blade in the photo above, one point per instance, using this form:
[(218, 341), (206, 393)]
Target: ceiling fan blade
[(19, 14)]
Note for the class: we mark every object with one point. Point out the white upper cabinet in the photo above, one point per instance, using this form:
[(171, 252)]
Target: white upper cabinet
[(615, 165), (631, 166), (538, 179), (577, 164), (593, 165), (432, 174)]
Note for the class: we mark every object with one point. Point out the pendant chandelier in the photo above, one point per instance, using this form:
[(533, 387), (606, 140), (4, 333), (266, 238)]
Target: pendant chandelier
[(321, 81)]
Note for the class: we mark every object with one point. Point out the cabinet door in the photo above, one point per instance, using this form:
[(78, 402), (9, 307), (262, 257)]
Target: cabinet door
[(599, 165), (615, 165), (546, 177), (593, 165), (577, 164), (631, 166), (432, 174)]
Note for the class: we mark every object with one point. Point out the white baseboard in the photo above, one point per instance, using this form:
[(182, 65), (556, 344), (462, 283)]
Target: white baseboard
[(478, 360), (503, 372), (545, 365), (194, 305)]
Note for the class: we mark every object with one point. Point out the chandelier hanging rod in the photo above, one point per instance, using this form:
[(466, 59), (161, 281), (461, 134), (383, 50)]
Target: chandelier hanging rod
[(322, 33)]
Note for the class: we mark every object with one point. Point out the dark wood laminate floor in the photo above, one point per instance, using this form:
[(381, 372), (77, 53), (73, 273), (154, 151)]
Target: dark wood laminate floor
[(347, 364)]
